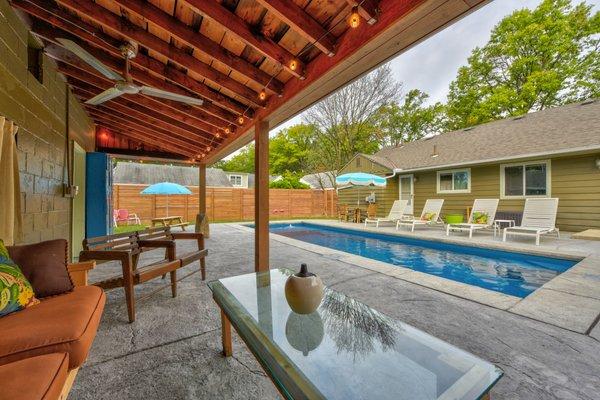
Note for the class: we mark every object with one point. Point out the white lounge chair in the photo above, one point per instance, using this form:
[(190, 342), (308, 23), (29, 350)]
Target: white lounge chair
[(396, 213), (481, 207), (539, 218), (429, 216)]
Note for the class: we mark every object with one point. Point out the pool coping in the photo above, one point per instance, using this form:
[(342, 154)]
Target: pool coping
[(570, 301)]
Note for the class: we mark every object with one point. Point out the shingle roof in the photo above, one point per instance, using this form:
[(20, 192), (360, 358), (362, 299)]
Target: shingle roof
[(552, 131), (320, 180), (137, 173)]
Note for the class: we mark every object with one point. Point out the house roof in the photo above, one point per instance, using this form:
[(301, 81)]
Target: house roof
[(320, 180), (148, 174), (561, 130)]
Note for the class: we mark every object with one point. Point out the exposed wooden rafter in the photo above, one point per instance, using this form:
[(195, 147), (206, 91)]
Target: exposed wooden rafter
[(201, 43), (122, 26), (238, 27), (301, 22)]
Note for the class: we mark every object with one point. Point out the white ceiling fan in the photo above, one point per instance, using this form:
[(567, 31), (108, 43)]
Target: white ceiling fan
[(123, 84)]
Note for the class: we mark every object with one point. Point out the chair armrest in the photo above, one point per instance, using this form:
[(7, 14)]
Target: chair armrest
[(79, 272), (104, 255), (187, 235), (156, 243)]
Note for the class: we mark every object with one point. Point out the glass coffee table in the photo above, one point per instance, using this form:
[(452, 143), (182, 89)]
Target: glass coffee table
[(345, 349)]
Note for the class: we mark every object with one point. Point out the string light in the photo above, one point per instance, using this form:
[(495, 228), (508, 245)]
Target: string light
[(262, 95), (293, 65), (218, 135), (241, 120), (208, 148), (354, 18), (227, 130)]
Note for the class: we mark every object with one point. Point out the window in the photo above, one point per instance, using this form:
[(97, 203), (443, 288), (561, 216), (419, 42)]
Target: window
[(34, 63), (236, 180), (454, 181), (525, 180)]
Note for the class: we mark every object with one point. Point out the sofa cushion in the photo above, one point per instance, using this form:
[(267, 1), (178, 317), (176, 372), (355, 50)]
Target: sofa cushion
[(16, 292), (35, 378), (44, 264), (65, 323)]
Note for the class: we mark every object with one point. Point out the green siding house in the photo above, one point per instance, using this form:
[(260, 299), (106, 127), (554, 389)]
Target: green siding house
[(550, 153)]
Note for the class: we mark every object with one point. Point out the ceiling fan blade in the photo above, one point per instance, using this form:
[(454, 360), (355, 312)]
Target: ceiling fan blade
[(89, 59), (150, 91), (104, 96)]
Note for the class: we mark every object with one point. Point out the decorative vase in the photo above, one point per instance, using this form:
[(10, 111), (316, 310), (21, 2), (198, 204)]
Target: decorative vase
[(304, 291)]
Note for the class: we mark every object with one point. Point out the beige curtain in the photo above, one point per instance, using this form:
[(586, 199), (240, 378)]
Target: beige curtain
[(10, 188)]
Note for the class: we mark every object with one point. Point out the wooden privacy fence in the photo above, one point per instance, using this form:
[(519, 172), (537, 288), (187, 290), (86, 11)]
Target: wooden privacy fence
[(225, 204)]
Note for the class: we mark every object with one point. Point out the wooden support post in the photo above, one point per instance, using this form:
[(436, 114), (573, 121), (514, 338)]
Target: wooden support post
[(226, 335), (202, 218), (261, 196)]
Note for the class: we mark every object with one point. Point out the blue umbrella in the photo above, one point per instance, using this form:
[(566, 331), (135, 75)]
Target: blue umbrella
[(166, 188), (360, 179)]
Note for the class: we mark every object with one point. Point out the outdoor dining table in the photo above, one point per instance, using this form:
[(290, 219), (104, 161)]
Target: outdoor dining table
[(344, 349), (168, 221)]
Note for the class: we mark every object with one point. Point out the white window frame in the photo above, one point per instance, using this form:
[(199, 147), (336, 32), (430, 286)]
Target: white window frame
[(524, 164), (453, 171), (237, 177)]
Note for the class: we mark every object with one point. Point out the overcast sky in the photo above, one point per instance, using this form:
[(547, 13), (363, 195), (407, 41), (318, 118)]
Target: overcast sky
[(433, 64)]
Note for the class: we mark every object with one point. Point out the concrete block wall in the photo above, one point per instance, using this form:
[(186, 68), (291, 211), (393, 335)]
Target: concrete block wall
[(40, 110)]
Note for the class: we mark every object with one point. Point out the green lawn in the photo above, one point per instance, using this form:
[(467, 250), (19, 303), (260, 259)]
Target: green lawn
[(128, 228)]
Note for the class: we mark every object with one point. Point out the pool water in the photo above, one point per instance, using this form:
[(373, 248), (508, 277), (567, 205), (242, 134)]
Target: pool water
[(515, 274)]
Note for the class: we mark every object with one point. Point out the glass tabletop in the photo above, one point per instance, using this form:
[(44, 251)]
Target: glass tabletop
[(345, 349)]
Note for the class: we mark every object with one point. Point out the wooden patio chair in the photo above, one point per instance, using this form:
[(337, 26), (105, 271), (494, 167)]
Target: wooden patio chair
[(343, 212)]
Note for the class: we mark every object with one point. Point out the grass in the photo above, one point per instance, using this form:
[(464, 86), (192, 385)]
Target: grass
[(128, 228)]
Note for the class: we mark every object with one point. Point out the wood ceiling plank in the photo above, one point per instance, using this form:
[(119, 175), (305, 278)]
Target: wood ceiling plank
[(123, 27), (140, 138), (71, 27), (244, 32), (303, 23), (201, 43)]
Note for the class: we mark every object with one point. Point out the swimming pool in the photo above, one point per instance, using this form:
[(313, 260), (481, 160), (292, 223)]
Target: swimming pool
[(516, 274)]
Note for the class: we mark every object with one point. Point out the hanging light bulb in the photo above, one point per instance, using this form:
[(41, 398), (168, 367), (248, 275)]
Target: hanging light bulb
[(227, 130), (208, 148), (241, 120), (262, 95), (218, 135), (293, 65), (354, 18)]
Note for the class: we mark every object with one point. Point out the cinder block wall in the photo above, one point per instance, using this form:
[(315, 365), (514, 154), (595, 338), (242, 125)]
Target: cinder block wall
[(40, 110)]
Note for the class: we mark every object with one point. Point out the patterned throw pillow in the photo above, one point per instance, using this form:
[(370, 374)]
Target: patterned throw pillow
[(16, 292), (429, 217), (480, 218)]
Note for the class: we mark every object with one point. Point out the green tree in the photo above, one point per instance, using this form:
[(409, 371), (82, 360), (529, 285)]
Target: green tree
[(291, 150), (241, 162), (535, 59), (288, 181), (410, 120)]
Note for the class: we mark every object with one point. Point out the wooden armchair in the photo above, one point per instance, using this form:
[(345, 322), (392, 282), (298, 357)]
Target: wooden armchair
[(343, 212)]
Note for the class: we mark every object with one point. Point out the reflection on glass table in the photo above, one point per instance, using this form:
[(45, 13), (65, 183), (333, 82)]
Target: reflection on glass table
[(345, 349)]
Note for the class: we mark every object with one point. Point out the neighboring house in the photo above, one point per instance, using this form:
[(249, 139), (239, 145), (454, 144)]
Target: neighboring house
[(550, 153), (148, 174), (320, 180), (245, 180)]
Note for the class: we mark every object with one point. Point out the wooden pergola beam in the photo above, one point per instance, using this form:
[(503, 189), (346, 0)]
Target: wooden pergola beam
[(301, 22), (241, 30), (142, 138), (62, 24), (201, 43), (368, 9), (122, 104), (123, 27), (181, 147), (177, 118), (150, 129)]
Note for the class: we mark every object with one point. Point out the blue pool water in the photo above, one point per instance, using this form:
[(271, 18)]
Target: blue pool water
[(515, 274)]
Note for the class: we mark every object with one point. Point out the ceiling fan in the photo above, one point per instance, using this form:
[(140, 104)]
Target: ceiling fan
[(123, 84)]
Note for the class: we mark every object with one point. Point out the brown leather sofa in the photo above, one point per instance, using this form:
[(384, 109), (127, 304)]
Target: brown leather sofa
[(43, 346)]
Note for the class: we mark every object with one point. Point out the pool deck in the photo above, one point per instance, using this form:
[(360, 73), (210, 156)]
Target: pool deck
[(570, 301), (172, 350)]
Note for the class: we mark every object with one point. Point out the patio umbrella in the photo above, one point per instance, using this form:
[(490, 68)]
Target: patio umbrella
[(166, 188), (360, 179)]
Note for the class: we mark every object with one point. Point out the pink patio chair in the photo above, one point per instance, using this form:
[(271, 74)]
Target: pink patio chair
[(123, 215)]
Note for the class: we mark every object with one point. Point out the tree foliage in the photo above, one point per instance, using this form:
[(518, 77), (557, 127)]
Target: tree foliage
[(535, 59), (410, 120), (288, 181), (241, 162)]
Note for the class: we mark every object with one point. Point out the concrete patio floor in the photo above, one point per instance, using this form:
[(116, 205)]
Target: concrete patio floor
[(172, 351)]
